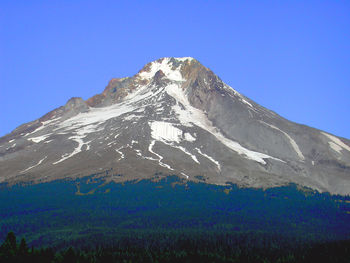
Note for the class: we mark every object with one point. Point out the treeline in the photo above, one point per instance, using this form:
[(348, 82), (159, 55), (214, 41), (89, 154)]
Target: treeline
[(183, 248)]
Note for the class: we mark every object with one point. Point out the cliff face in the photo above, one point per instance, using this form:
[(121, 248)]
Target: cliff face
[(174, 116)]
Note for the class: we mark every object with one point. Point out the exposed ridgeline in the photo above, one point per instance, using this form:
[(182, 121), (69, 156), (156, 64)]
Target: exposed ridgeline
[(175, 116)]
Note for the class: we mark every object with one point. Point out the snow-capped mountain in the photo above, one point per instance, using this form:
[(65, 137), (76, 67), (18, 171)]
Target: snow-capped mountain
[(174, 117)]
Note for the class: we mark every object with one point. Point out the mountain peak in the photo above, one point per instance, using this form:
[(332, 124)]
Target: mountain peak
[(175, 116), (171, 67), (158, 72)]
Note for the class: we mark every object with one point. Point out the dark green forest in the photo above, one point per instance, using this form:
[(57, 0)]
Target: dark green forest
[(170, 220), (180, 248)]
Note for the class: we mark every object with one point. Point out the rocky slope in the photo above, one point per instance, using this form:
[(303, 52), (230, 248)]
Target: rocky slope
[(175, 116)]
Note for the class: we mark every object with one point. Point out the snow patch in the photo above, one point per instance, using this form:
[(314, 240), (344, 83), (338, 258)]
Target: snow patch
[(46, 123), (189, 137), (138, 152), (39, 138), (165, 131), (336, 144), (12, 146), (166, 67), (183, 59), (132, 117)]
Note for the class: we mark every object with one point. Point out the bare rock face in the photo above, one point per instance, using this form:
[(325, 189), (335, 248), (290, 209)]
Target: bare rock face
[(174, 116)]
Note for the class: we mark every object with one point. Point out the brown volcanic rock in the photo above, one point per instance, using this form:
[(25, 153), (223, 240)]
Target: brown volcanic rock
[(95, 100), (112, 86)]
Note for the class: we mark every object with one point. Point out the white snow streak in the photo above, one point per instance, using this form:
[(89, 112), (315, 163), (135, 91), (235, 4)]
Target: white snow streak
[(185, 175), (336, 144), (239, 95), (121, 153), (150, 149), (35, 165), (241, 98), (292, 142), (78, 137), (335, 147), (194, 158), (44, 125), (75, 151), (210, 158), (110, 143)]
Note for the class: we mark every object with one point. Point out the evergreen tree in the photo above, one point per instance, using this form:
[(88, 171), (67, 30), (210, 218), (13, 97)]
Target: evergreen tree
[(23, 248), (10, 242), (9, 248), (70, 256)]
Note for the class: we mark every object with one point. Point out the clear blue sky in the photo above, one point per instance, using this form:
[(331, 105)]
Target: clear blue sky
[(292, 57)]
